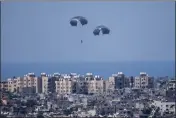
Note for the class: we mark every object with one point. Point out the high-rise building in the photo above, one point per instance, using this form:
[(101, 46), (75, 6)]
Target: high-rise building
[(81, 85), (4, 85), (74, 79), (144, 81), (64, 84), (20, 84), (170, 90), (12, 84), (131, 81), (119, 80), (90, 84), (38, 81), (30, 83), (110, 83), (52, 83), (27, 84), (44, 78), (95, 84)]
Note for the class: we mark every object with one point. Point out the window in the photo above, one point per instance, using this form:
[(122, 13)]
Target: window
[(172, 106)]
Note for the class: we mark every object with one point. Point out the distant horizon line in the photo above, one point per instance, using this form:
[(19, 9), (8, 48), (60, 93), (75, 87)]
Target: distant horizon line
[(40, 74), (87, 62)]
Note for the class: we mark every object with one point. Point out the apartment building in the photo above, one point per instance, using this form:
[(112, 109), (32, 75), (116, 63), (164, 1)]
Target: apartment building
[(112, 79), (95, 85), (11, 85), (38, 81), (44, 79), (171, 85), (165, 106), (4, 85), (20, 84), (15, 84), (109, 84), (31, 84), (105, 85), (127, 82), (90, 84), (119, 80), (64, 84), (51, 82), (74, 79), (27, 84), (170, 89), (144, 81), (81, 85), (131, 81), (108, 87)]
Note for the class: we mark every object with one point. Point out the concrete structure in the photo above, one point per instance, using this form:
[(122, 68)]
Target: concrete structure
[(105, 85), (119, 80), (81, 85), (144, 81), (20, 84), (4, 85), (171, 85), (31, 84), (165, 106), (64, 85), (38, 81), (52, 84), (12, 84), (44, 78), (95, 85), (90, 84), (112, 79), (131, 81), (27, 84), (111, 82), (170, 90), (108, 86)]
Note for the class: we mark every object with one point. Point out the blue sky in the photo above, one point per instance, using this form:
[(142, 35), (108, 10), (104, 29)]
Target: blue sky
[(40, 32)]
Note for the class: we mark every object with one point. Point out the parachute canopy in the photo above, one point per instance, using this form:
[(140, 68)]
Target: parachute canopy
[(103, 29), (74, 21)]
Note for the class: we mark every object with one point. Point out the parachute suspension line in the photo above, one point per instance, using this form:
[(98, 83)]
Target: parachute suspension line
[(82, 37), (79, 22), (82, 32)]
